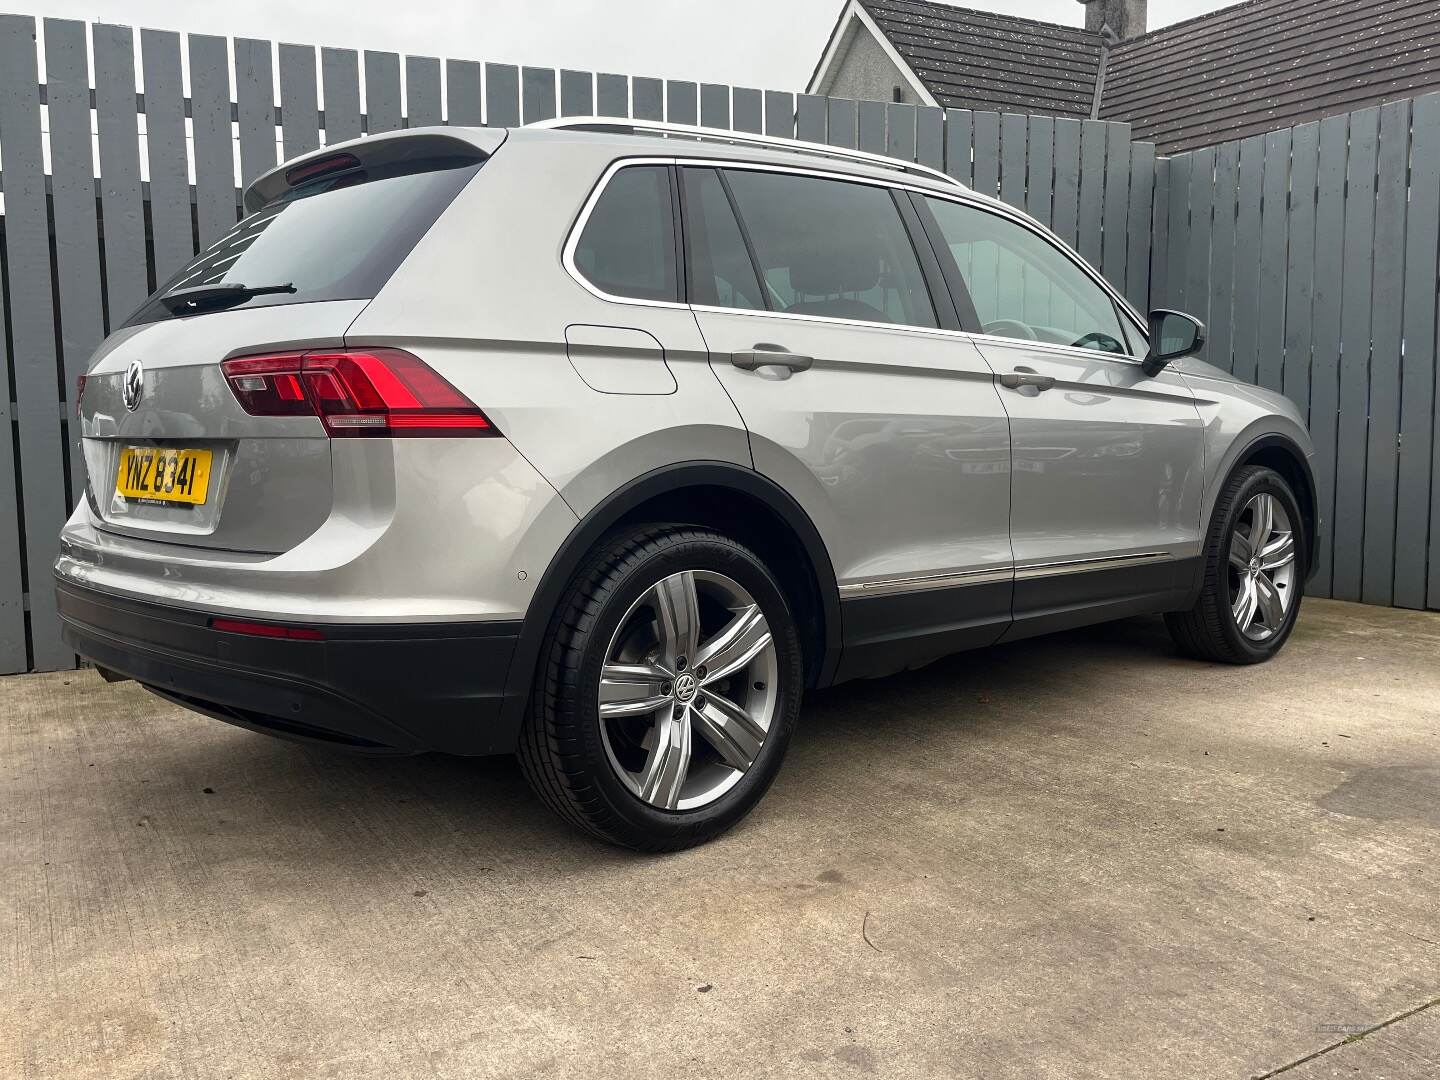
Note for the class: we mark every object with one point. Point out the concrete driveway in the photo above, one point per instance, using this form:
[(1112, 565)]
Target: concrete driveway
[(1073, 857)]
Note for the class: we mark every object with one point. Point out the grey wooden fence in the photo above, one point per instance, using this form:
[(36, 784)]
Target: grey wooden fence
[(84, 241), (1312, 253)]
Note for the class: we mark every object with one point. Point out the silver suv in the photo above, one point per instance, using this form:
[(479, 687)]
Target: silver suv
[(600, 443)]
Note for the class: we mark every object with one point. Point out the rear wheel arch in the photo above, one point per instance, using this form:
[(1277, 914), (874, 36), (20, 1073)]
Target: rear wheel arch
[(730, 499)]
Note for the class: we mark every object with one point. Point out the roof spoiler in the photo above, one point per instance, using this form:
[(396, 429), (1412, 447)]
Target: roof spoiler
[(391, 148)]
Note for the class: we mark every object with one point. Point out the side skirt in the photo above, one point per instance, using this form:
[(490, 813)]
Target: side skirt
[(895, 630), (1063, 601)]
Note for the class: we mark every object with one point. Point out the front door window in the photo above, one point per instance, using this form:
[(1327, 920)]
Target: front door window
[(1023, 287)]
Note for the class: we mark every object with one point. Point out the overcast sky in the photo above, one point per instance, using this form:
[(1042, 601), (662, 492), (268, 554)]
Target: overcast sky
[(763, 43)]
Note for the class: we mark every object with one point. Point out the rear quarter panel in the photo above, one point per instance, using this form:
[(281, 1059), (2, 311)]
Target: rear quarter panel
[(485, 299)]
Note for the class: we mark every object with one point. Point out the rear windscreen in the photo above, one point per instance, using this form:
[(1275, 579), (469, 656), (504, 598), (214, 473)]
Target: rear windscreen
[(339, 237)]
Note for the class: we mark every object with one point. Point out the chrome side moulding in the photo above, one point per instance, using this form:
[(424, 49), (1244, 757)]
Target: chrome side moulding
[(1084, 566), (892, 586)]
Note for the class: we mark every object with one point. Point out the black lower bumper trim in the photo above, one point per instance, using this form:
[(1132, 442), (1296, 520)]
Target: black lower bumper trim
[(378, 688), (281, 728)]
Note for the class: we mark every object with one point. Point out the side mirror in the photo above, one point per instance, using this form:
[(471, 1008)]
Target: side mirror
[(1173, 336)]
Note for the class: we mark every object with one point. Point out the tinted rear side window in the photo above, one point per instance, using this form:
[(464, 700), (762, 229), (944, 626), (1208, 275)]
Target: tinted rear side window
[(832, 248), (336, 238), (628, 245)]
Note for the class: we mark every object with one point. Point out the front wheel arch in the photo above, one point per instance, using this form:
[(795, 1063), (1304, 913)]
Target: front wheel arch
[(1211, 627), (1290, 461)]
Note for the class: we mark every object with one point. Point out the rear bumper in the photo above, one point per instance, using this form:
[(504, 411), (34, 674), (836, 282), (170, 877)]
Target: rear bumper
[(405, 689)]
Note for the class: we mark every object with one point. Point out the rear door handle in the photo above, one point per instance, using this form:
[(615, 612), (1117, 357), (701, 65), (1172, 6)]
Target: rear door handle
[(770, 356), (1016, 379)]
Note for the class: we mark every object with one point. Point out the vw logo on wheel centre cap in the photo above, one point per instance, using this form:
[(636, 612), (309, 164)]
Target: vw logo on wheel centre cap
[(685, 686), (133, 389)]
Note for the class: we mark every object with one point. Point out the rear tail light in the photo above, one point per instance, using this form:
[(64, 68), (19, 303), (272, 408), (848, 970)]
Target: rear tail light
[(80, 381), (371, 392)]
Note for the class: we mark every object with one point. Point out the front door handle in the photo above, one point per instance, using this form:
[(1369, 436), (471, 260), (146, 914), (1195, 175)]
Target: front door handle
[(763, 355), (1016, 379)]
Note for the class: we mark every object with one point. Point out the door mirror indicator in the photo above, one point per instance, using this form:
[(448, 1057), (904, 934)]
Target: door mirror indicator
[(1173, 336)]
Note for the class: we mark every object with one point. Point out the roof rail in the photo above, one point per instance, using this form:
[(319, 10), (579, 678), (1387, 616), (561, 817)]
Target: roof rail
[(622, 126)]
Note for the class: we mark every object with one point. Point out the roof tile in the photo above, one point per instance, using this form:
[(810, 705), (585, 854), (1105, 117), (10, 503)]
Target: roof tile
[(965, 57), (1245, 69)]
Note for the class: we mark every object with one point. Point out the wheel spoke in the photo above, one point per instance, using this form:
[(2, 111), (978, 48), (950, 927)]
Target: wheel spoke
[(1270, 604), (1278, 553), (1262, 520), (1245, 603), (734, 733), (631, 690), (1240, 550), (743, 639), (668, 762), (677, 617), (681, 736)]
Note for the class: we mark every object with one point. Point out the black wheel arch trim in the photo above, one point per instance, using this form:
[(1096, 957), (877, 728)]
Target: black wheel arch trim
[(1309, 497), (612, 509)]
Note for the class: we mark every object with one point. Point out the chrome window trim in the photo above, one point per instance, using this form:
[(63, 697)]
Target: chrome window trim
[(1064, 350), (1010, 572), (963, 196), (577, 230), (906, 327)]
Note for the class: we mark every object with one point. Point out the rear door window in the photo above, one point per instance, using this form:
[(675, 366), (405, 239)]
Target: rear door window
[(627, 247), (832, 248), (720, 271), (338, 237)]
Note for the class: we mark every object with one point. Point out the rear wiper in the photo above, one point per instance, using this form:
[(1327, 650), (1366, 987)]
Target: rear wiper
[(222, 294)]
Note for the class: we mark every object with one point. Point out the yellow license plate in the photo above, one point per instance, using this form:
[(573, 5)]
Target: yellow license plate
[(156, 474)]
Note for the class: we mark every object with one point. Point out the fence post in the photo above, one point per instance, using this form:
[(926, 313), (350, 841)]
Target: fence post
[(32, 332), (1419, 482), (77, 243)]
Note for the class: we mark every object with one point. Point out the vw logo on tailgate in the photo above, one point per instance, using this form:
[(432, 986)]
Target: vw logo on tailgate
[(134, 386)]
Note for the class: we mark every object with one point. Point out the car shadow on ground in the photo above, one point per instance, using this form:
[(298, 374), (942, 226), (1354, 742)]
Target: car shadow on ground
[(435, 797), (1032, 660)]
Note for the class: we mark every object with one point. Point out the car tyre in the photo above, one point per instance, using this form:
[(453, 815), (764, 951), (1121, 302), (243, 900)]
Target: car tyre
[(1250, 596), (615, 645)]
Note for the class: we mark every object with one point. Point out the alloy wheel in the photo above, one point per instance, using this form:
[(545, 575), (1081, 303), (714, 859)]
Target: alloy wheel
[(688, 690), (1262, 567)]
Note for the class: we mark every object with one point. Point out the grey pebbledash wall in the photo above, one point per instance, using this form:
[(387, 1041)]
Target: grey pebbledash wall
[(91, 227)]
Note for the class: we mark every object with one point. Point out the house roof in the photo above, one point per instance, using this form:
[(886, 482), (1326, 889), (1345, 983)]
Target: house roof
[(979, 60), (1269, 64), (1243, 70)]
